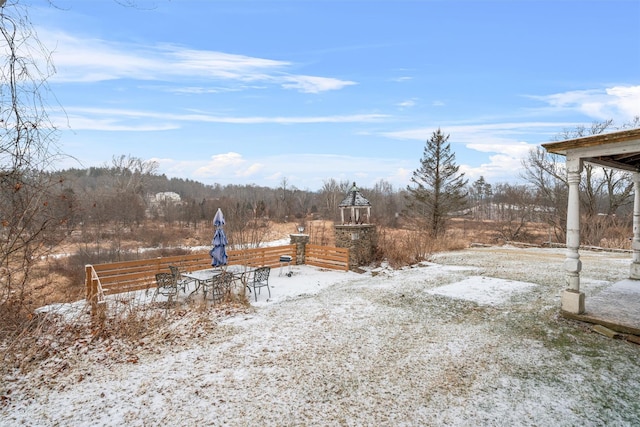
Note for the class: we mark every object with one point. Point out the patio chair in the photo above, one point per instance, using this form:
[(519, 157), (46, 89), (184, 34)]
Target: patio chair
[(165, 285), (219, 285), (181, 282), (259, 279)]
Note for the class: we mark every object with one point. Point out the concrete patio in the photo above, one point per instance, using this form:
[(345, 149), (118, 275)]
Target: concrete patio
[(617, 307)]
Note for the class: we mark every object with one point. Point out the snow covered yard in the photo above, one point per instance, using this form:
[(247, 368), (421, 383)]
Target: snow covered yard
[(471, 338)]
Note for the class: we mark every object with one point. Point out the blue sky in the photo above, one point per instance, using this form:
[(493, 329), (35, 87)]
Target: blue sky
[(254, 92)]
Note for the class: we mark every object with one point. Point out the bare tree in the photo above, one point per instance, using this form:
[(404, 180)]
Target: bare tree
[(547, 174), (386, 203), (603, 191), (515, 207), (332, 193), (130, 173), (29, 219)]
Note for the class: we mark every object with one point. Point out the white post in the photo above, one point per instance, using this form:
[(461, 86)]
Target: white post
[(572, 298), (635, 243)]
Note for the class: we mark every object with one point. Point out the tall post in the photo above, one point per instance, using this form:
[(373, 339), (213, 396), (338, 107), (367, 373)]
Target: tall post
[(635, 243), (301, 241), (572, 298)]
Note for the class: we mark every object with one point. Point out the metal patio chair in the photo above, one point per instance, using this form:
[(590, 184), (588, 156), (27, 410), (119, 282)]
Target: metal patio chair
[(219, 286), (165, 285), (259, 279), (181, 282)]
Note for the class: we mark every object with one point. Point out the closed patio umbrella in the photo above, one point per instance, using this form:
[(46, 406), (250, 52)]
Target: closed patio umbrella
[(219, 252)]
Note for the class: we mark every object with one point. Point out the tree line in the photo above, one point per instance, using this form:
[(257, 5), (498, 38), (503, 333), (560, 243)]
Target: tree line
[(122, 194)]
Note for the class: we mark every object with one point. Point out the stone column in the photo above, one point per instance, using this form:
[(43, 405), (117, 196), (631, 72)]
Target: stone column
[(635, 243), (572, 298), (300, 240)]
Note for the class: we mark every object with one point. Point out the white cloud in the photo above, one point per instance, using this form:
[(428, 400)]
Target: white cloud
[(112, 119), (312, 84), (226, 164), (309, 170), (197, 89), (252, 170), (402, 79), (627, 100), (515, 149), (504, 141), (500, 168), (113, 124), (408, 103), (493, 133), (80, 59), (620, 103)]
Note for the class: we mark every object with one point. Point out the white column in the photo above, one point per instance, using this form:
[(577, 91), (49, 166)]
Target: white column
[(572, 298), (635, 243)]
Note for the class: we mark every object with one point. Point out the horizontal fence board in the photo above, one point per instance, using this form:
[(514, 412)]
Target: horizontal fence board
[(131, 287), (129, 276), (332, 266), (327, 257)]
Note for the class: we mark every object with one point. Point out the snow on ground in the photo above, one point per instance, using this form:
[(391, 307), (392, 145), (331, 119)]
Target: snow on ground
[(470, 338), (483, 290)]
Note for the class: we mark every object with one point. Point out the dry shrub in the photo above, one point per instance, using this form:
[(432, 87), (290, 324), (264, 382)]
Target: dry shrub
[(14, 316), (54, 337), (401, 247), (29, 344), (130, 322), (606, 231)]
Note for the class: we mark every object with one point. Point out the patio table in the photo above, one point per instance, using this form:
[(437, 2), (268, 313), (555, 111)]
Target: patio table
[(202, 277)]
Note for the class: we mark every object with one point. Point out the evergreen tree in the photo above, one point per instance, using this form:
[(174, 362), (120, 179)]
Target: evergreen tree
[(439, 187), (480, 193)]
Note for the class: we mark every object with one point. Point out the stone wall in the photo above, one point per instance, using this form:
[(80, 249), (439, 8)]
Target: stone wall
[(300, 240), (361, 240)]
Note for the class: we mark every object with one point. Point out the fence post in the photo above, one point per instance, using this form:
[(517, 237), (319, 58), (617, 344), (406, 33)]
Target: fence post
[(300, 240), (91, 289), (98, 308)]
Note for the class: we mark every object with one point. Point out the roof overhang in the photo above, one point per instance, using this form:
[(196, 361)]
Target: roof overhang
[(618, 150)]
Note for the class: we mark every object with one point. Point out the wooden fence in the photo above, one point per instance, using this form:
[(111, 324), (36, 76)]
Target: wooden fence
[(327, 257), (126, 276)]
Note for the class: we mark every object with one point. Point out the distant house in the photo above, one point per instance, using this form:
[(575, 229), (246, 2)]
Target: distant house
[(167, 196)]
